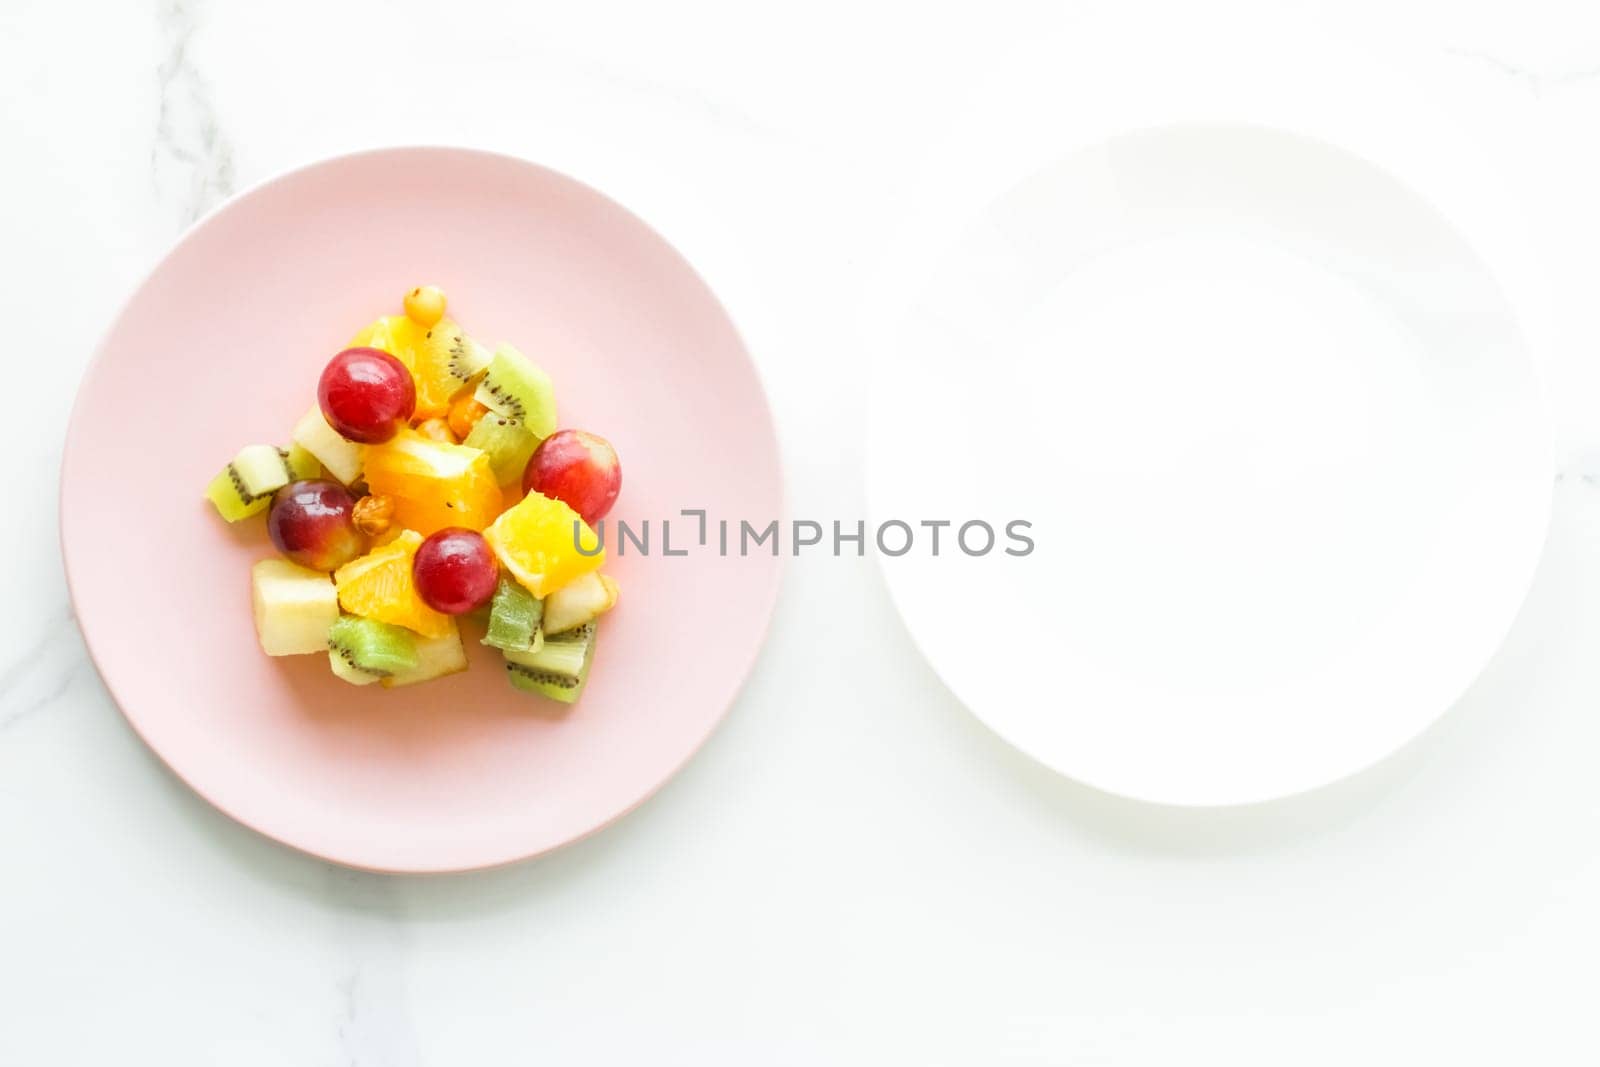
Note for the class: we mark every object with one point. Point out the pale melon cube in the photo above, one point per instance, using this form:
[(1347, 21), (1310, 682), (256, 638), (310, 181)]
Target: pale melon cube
[(294, 607), (342, 458), (436, 657), (581, 600)]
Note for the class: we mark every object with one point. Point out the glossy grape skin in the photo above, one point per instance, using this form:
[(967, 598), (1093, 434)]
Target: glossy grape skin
[(366, 395), (579, 468), (454, 571), (311, 523)]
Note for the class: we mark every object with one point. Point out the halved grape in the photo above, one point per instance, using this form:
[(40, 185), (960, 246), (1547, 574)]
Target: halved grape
[(311, 522)]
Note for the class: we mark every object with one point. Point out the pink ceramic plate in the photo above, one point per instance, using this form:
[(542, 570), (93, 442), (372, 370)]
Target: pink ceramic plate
[(221, 346)]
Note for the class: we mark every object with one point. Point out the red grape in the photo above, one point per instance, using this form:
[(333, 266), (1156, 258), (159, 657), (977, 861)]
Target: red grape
[(310, 522), (366, 394), (579, 468), (455, 571)]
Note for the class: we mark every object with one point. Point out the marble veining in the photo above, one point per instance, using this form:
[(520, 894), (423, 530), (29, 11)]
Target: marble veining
[(372, 1020), (1538, 81), (191, 160), (44, 672)]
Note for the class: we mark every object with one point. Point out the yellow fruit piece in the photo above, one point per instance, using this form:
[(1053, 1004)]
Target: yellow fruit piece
[(394, 334), (373, 335), (425, 305), (434, 484), (379, 586), (536, 541), (437, 385)]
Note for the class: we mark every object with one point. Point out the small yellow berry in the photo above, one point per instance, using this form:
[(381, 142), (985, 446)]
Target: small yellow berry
[(425, 306)]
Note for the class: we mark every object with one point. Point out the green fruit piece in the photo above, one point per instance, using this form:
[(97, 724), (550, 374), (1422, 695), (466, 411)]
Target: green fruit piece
[(506, 442), (468, 359), (436, 657), (301, 463), (261, 469), (514, 387), (368, 650), (559, 670), (514, 616), (345, 671), (229, 498), (245, 486)]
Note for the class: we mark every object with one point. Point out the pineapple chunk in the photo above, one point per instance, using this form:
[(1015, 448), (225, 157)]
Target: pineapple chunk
[(294, 607)]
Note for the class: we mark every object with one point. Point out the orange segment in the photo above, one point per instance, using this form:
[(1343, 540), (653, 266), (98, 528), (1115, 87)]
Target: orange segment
[(465, 411), (379, 586), (434, 484), (535, 542), (395, 334)]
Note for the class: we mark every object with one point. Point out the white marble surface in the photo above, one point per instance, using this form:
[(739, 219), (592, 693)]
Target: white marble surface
[(852, 871)]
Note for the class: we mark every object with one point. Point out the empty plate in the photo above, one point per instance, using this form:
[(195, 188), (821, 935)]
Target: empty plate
[(1261, 444)]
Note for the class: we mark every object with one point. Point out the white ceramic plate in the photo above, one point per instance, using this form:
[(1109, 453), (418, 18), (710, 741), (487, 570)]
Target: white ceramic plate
[(1279, 437)]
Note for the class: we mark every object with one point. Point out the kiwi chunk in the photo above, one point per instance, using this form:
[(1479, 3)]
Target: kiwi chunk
[(245, 486), (345, 671), (463, 357), (506, 442), (230, 500), (512, 386), (559, 670), (514, 616), (364, 650), (468, 358), (261, 469)]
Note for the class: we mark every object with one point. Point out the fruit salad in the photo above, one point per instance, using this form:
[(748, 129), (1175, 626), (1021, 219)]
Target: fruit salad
[(430, 485)]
